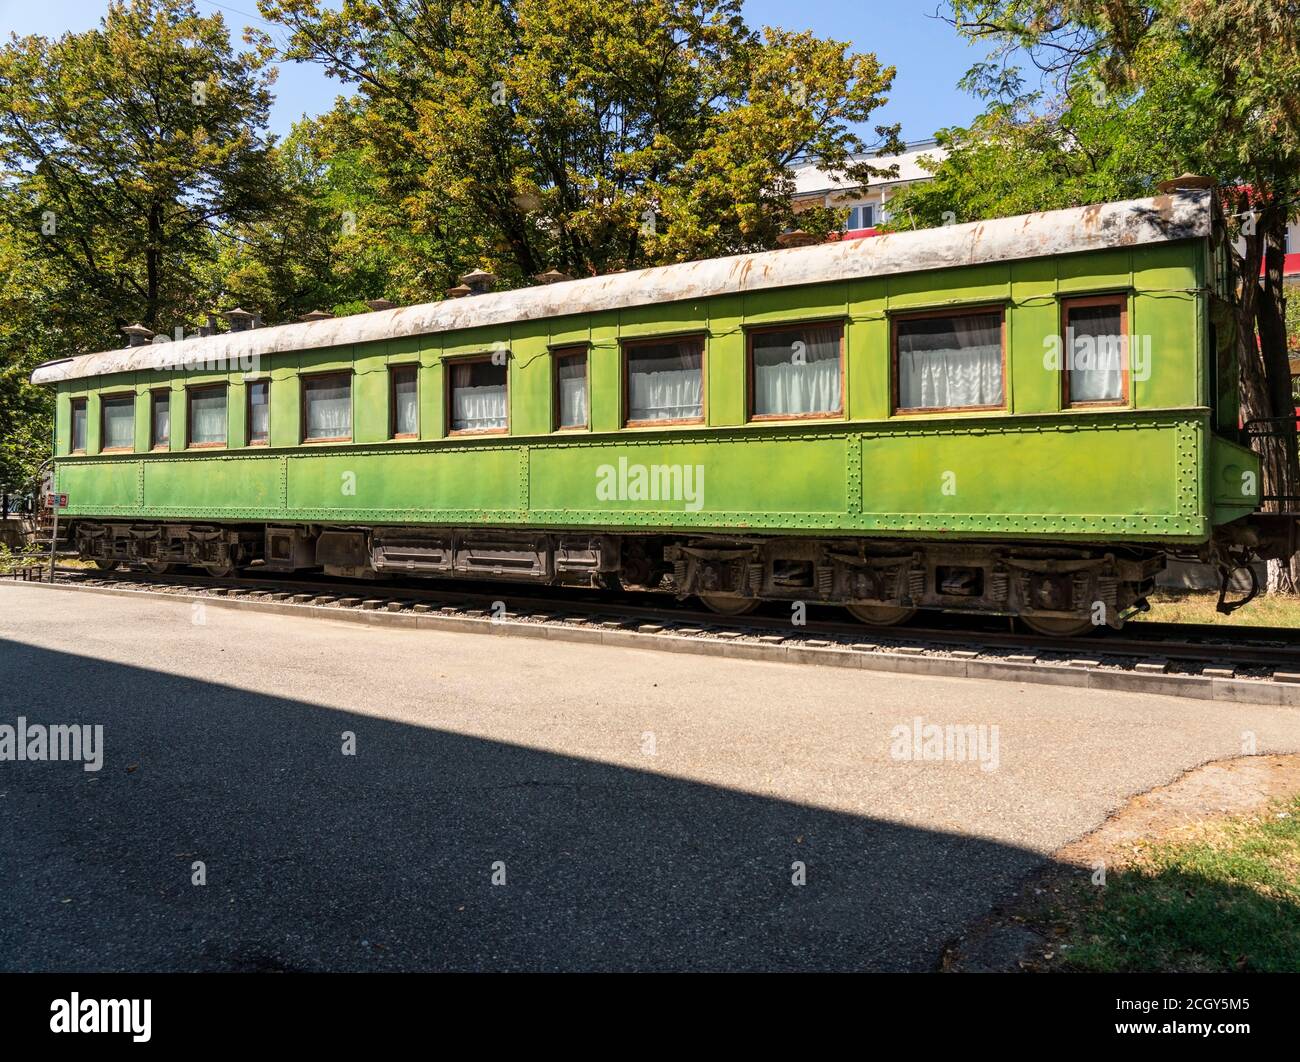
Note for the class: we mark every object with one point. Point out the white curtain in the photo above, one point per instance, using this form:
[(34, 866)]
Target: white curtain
[(259, 413), (162, 421), (208, 416), (480, 407), (329, 409), (79, 426), (1096, 345), (797, 372), (571, 375), (665, 382), (119, 424), (406, 412), (950, 362)]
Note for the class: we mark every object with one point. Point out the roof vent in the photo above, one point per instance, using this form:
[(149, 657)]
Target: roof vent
[(138, 335), (316, 315), (381, 304), (240, 320), (797, 238), (1185, 182), (479, 282), (459, 291), (551, 276)]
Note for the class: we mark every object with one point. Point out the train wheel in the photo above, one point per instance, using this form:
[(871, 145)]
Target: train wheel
[(219, 571), (158, 567), (1057, 626), (105, 565), (729, 606), (881, 615)]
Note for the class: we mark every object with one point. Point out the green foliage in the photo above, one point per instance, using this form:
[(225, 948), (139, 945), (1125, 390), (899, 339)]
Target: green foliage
[(124, 152), (587, 135)]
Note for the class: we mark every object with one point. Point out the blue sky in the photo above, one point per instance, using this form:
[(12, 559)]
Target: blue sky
[(929, 55)]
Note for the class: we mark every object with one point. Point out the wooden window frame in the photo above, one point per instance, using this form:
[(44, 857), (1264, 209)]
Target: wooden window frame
[(104, 402), (154, 444), (751, 375), (627, 345), (1070, 302), (471, 359), (302, 407), (394, 371), (84, 405), (1000, 308), (190, 392), (248, 413), (558, 354)]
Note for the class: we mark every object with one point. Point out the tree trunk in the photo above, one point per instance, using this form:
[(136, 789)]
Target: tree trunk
[(1266, 380)]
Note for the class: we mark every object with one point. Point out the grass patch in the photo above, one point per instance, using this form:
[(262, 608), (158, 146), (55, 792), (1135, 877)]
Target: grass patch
[(1197, 606), (1220, 896)]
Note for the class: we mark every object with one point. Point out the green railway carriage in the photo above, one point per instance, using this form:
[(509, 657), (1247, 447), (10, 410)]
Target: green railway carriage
[(1024, 416)]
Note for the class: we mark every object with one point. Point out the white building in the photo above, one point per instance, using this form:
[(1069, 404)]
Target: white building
[(868, 204)]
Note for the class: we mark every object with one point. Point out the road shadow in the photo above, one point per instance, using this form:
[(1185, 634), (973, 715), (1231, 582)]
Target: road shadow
[(384, 860)]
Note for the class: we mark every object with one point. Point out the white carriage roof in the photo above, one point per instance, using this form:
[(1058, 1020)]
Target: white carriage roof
[(1178, 216)]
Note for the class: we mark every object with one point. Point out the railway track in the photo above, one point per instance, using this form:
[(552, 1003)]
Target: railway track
[(1152, 649)]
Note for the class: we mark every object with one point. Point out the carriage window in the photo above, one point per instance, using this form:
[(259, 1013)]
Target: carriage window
[(665, 381), (477, 396), (160, 420), (571, 388), (207, 416), (405, 402), (259, 413), (117, 422), (950, 361), (795, 372), (1095, 370), (327, 408), (78, 426)]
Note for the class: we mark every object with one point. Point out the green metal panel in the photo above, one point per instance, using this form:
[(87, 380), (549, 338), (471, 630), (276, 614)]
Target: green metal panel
[(238, 482), (473, 482), (969, 284), (102, 485), (371, 394)]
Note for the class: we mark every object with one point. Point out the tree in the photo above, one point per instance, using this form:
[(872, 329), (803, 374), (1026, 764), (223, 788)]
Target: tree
[(127, 148), (586, 135), (1134, 93)]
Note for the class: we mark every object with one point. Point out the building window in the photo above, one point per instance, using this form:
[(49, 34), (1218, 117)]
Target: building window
[(259, 413), (796, 371), (571, 389), (78, 426), (404, 381), (948, 361), (664, 381), (117, 422), (327, 408), (477, 396), (160, 420), (1094, 339), (862, 216), (207, 416)]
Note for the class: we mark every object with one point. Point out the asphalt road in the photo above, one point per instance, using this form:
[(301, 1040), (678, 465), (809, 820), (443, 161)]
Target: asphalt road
[(646, 809)]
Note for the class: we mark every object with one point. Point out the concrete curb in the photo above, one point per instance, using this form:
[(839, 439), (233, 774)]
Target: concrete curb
[(1240, 691)]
